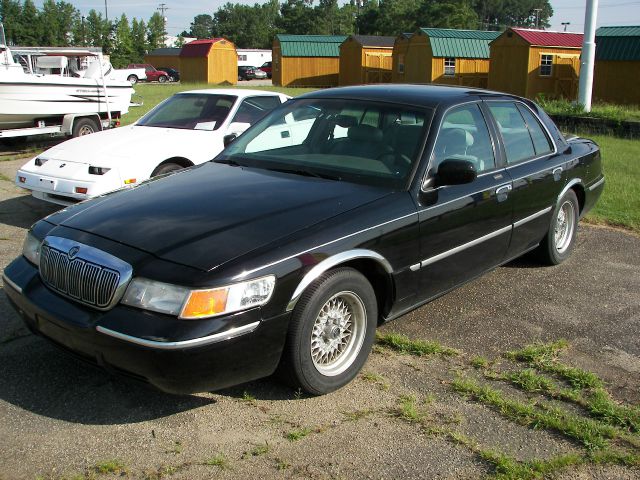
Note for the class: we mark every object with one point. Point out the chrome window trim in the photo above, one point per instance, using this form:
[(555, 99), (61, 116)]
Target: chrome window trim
[(425, 175), (331, 262), (460, 198), (533, 173), (596, 185), (11, 283), (531, 217), (243, 275), (464, 246), (195, 342)]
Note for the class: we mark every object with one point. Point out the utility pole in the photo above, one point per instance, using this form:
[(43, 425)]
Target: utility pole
[(106, 12), (588, 55), (565, 25), (163, 8), (537, 12)]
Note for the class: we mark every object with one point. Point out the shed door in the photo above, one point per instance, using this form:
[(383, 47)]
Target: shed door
[(567, 67), (378, 67)]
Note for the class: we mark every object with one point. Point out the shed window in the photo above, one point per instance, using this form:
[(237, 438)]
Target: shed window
[(449, 67), (242, 58), (400, 63), (546, 62)]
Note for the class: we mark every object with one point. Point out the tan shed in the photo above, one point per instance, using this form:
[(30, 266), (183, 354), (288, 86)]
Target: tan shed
[(617, 69), (366, 59), (530, 63), (212, 60), (400, 49), (164, 57), (306, 60), (446, 56)]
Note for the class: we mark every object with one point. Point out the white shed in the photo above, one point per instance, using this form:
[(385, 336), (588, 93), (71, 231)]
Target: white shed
[(253, 57)]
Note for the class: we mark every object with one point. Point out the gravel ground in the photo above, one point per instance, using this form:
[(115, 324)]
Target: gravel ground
[(60, 418)]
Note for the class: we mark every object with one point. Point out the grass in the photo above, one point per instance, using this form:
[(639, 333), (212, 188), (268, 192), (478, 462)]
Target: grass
[(219, 460), (109, 466), (375, 379), (298, 434), (409, 410), (402, 344), (606, 111), (355, 415), (258, 450)]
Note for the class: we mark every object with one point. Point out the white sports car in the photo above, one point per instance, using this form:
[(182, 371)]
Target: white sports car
[(184, 130)]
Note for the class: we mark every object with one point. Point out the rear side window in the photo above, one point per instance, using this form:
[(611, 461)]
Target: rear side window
[(515, 134), (541, 142), (254, 108)]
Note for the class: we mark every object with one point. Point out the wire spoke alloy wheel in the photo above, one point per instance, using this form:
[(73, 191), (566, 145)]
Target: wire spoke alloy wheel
[(338, 333), (565, 225)]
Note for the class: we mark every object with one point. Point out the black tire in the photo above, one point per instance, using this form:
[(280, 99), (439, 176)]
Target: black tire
[(84, 126), (554, 250), (132, 79), (166, 168), (162, 79), (301, 368)]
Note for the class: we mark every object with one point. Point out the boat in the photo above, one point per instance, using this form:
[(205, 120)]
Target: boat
[(39, 86)]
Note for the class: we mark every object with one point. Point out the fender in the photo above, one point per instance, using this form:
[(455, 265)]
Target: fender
[(331, 262), (570, 183)]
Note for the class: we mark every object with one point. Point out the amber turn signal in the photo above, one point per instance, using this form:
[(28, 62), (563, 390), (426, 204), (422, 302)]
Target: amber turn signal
[(205, 303)]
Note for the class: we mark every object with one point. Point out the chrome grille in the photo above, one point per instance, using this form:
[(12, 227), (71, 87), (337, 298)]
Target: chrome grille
[(82, 279)]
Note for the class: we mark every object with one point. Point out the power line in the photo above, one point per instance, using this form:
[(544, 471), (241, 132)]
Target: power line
[(163, 8)]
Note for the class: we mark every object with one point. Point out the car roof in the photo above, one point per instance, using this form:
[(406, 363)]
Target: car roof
[(410, 94), (238, 92)]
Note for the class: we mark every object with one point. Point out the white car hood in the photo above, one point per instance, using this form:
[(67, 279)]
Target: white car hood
[(111, 147)]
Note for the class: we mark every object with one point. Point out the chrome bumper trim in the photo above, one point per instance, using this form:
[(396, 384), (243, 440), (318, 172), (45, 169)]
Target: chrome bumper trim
[(531, 217), (195, 342), (9, 282), (596, 185)]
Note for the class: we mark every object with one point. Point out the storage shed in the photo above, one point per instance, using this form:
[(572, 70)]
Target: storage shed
[(400, 49), (617, 68), (530, 62), (366, 59), (448, 56), (211, 60), (306, 60), (164, 57)]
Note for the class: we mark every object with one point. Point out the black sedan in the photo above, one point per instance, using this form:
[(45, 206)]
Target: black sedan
[(341, 210), (174, 75)]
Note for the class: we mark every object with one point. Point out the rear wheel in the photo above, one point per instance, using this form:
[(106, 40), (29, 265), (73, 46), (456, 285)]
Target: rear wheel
[(84, 126), (132, 79), (166, 168), (162, 79), (560, 239), (331, 332)]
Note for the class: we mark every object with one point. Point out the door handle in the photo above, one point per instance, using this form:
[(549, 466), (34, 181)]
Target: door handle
[(502, 192), (557, 173)]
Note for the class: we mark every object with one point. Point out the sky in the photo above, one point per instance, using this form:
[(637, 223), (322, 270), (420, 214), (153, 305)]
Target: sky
[(180, 13)]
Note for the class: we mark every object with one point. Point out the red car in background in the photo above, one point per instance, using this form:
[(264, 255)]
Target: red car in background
[(153, 75), (266, 67)]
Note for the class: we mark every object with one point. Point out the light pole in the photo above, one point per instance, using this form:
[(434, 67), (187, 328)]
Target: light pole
[(106, 11), (587, 59), (565, 24)]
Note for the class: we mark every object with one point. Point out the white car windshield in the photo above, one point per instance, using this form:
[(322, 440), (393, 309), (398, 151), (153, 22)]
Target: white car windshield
[(353, 140), (190, 111)]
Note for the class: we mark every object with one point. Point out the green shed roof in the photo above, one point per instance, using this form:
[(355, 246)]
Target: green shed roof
[(446, 42), (618, 43), (310, 45)]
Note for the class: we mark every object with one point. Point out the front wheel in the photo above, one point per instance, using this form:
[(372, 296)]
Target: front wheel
[(560, 239), (166, 168), (162, 79), (331, 332)]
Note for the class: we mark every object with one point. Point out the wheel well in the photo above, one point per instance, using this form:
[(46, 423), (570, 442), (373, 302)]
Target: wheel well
[(380, 281), (579, 191), (183, 162)]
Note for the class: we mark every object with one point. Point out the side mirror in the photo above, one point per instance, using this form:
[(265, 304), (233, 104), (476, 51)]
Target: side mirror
[(456, 172), (228, 139)]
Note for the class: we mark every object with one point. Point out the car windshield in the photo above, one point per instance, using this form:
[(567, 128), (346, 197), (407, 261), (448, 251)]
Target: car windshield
[(358, 141), (190, 111)]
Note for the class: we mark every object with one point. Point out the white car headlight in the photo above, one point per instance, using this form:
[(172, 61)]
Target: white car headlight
[(195, 304), (31, 249)]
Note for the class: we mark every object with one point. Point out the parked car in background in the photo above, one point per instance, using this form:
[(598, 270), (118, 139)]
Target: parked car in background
[(266, 68), (184, 130), (249, 73), (288, 256), (174, 75), (132, 75), (152, 74)]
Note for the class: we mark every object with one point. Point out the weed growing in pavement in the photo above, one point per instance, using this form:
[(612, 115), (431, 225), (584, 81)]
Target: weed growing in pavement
[(218, 460), (248, 398), (257, 450), (376, 379), (409, 410), (298, 394), (420, 348), (282, 465), (109, 466), (295, 435), (356, 415), (176, 448), (480, 362)]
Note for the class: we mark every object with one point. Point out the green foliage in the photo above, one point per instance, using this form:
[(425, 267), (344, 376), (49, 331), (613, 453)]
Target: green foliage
[(155, 31), (295, 435), (402, 344), (219, 460), (202, 26), (409, 411), (110, 466)]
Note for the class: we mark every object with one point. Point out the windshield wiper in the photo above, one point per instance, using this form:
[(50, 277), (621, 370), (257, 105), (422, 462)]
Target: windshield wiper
[(306, 173), (228, 161)]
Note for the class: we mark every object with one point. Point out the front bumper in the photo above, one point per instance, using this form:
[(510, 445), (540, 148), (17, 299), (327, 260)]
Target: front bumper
[(177, 356)]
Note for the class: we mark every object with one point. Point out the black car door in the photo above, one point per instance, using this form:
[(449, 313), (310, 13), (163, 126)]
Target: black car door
[(535, 168), (464, 229)]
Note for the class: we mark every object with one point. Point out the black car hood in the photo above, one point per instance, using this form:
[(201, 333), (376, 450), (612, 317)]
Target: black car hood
[(207, 215)]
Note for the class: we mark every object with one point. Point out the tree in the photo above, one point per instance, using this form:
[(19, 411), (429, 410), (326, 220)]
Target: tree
[(123, 45), (30, 26), (201, 27), (155, 31), (138, 40), (448, 14), (10, 13), (297, 17)]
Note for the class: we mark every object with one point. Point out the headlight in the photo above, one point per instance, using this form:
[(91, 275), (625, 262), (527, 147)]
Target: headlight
[(195, 304), (31, 249)]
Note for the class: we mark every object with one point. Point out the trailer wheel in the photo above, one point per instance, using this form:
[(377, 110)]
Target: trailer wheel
[(132, 79), (84, 126)]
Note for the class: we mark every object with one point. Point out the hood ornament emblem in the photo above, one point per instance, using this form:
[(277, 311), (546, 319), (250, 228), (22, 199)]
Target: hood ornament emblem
[(73, 253)]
